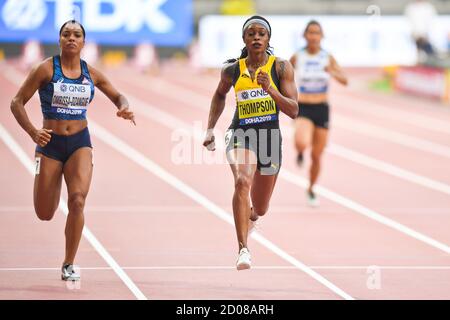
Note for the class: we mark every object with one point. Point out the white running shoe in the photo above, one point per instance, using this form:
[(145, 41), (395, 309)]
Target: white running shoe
[(68, 273), (313, 201), (244, 260)]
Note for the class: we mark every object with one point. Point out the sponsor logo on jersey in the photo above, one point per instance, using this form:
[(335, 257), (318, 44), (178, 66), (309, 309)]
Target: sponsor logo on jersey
[(70, 96)]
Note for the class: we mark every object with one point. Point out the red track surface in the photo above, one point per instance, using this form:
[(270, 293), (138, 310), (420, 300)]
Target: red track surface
[(173, 247)]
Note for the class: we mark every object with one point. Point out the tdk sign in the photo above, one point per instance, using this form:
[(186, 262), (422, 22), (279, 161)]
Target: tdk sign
[(161, 22)]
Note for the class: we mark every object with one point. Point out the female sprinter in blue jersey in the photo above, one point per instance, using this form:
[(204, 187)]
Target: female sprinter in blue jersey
[(313, 69), (66, 88), (264, 85)]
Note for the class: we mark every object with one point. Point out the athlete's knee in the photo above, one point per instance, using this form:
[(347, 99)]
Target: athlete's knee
[(44, 214), (243, 182), (260, 210), (316, 156), (76, 202), (45, 208), (301, 143)]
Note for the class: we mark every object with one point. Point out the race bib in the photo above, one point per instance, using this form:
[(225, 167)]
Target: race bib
[(255, 106), (70, 98), (228, 135)]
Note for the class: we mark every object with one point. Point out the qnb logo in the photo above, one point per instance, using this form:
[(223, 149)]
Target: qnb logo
[(77, 88), (72, 88), (254, 93), (258, 93), (24, 14)]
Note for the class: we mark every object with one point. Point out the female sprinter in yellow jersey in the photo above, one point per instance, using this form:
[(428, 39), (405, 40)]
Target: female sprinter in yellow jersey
[(313, 69), (263, 85), (63, 145)]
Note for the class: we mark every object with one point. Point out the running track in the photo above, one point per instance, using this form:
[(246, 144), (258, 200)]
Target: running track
[(160, 229)]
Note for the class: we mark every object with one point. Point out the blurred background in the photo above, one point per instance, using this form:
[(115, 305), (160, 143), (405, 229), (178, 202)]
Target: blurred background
[(405, 41)]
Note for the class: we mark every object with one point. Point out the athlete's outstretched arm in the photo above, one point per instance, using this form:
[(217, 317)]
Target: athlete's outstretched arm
[(38, 76), (218, 100), (336, 71), (286, 98), (119, 100)]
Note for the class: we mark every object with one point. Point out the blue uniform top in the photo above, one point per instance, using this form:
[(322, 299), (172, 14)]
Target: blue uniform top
[(64, 98)]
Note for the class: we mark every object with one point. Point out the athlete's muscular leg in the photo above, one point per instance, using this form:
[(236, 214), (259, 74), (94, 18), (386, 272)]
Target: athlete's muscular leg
[(243, 166), (261, 192), (78, 174), (47, 186), (319, 142), (304, 129)]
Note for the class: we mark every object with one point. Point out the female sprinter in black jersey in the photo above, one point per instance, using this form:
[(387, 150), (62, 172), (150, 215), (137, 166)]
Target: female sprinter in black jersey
[(264, 85), (313, 69), (66, 88)]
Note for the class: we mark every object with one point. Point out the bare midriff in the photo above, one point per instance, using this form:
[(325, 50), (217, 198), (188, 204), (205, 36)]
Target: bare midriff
[(312, 98), (65, 127)]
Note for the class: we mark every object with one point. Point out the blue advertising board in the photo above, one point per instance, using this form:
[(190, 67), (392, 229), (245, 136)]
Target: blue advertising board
[(113, 22)]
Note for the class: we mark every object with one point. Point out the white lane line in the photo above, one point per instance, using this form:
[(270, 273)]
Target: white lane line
[(392, 136), (16, 209), (193, 268), (121, 209), (362, 210), (298, 210), (137, 157), (388, 168), (382, 166), (379, 110), (172, 122), (29, 165)]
